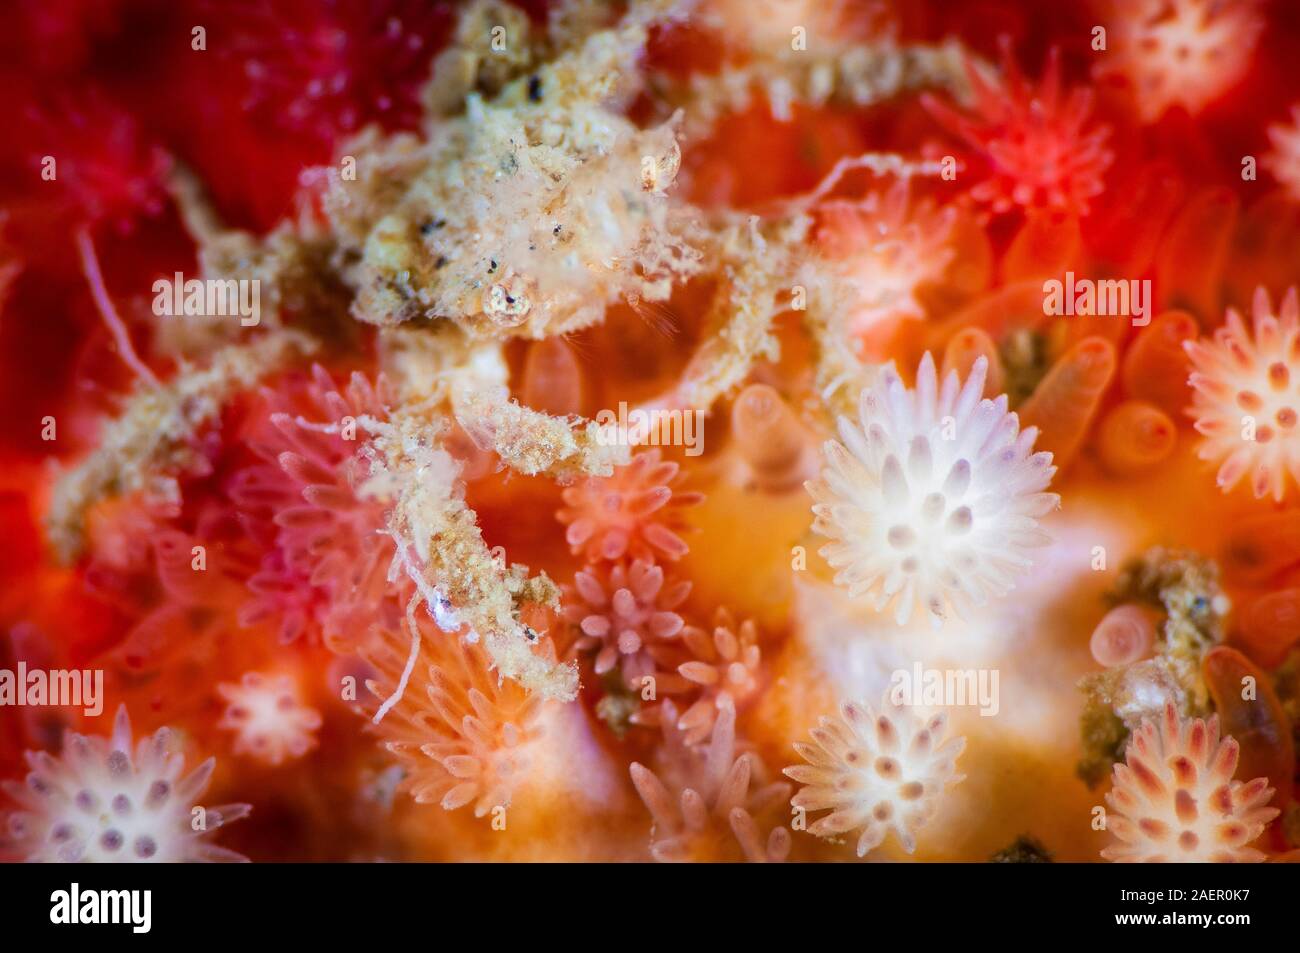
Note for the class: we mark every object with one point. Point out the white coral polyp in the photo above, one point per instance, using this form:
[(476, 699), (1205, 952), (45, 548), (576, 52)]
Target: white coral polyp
[(876, 772), (102, 802), (1180, 52), (268, 718), (933, 496), (1247, 396), (1174, 799), (1284, 160)]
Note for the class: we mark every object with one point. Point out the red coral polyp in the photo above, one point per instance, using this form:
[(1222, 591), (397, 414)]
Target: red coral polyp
[(1037, 145)]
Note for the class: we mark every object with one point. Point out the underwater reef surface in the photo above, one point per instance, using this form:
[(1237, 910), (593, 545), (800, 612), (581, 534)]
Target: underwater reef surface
[(688, 430)]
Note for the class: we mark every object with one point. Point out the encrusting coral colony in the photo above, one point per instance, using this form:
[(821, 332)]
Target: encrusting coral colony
[(703, 430)]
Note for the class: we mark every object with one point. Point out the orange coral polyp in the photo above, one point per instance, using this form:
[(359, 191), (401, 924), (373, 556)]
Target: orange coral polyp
[(463, 734), (1124, 636), (1174, 798), (1155, 367), (1135, 436), (769, 438), (1065, 402)]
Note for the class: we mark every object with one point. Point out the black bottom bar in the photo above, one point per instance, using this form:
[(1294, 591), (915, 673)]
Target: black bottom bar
[(391, 903)]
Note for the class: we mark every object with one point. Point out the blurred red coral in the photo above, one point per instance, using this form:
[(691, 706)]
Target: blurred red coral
[(326, 69)]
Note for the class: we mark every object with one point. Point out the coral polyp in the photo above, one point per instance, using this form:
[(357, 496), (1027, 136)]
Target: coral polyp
[(725, 667), (932, 497), (463, 735), (267, 717), (627, 617), (1174, 798), (883, 249), (1040, 145), (707, 802), (1247, 396), (117, 800), (876, 771), (1178, 52), (634, 513)]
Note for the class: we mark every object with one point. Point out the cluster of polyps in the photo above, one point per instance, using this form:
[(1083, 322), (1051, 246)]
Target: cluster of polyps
[(462, 733), (624, 603), (324, 562), (521, 216)]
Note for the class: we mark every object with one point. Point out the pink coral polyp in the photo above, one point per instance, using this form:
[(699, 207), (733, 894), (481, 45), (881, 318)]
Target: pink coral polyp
[(634, 513), (627, 617), (328, 558)]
